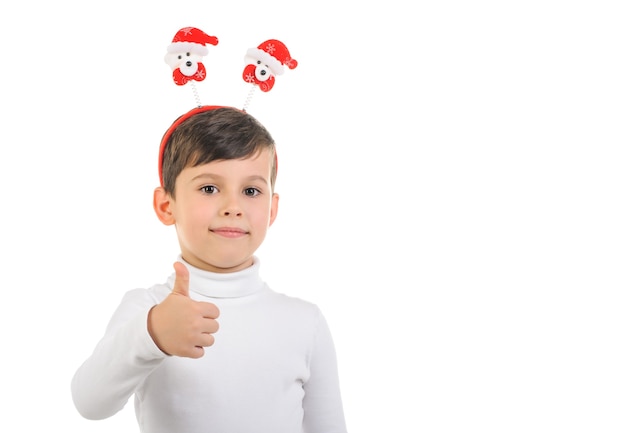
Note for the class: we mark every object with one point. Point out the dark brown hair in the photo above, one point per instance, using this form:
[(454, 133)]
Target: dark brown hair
[(213, 135)]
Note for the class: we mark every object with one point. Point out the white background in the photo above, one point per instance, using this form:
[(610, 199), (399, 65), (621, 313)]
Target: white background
[(452, 179)]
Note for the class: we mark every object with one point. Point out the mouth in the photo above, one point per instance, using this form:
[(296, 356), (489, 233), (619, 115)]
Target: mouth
[(229, 232)]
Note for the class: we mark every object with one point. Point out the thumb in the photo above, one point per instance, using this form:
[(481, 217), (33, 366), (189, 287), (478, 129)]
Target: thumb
[(181, 283)]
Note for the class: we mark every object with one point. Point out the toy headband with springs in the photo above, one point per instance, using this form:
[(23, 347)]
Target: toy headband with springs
[(184, 56)]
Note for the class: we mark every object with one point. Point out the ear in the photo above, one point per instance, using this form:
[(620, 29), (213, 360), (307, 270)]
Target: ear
[(273, 208), (162, 202)]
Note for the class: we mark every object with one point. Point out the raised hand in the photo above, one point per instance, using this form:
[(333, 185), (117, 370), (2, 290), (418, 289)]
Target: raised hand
[(181, 326)]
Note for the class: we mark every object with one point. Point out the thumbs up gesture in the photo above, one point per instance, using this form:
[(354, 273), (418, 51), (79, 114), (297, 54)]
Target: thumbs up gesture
[(179, 325)]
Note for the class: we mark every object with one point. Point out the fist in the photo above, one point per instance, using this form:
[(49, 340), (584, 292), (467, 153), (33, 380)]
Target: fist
[(181, 326)]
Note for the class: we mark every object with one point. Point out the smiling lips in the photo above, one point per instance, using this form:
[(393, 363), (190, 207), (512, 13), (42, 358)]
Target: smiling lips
[(229, 232)]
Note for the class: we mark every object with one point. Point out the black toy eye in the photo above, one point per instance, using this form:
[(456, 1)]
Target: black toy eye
[(180, 57), (258, 62), (188, 54)]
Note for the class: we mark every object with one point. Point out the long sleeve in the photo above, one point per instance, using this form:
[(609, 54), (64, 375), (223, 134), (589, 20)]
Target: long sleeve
[(122, 359), (323, 409)]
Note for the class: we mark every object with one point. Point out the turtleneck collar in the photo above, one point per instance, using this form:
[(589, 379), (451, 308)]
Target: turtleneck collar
[(230, 285)]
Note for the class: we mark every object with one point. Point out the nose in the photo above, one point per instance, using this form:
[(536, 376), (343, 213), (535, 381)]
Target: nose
[(188, 63), (231, 207), (232, 212), (262, 74)]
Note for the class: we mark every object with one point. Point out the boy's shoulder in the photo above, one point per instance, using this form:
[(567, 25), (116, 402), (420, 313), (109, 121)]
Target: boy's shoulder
[(155, 293), (292, 300), (294, 305)]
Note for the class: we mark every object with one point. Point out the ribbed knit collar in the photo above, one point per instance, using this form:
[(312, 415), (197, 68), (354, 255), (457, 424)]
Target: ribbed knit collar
[(230, 285)]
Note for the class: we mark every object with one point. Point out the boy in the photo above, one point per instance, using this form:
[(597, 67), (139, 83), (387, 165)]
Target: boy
[(268, 365)]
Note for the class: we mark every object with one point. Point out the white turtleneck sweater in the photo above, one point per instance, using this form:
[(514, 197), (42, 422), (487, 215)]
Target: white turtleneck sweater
[(272, 368)]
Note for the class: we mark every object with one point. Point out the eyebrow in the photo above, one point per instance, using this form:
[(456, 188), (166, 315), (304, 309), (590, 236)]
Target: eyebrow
[(251, 178)]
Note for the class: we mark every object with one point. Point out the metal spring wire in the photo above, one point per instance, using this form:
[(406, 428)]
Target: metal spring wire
[(195, 93), (249, 98)]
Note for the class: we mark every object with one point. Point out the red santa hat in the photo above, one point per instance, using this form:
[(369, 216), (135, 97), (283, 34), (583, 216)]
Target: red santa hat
[(191, 40), (274, 54)]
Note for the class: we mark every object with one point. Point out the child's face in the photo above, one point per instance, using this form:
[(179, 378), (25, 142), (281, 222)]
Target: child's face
[(222, 212)]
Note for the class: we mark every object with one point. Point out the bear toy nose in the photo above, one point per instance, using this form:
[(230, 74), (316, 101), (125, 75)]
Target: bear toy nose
[(263, 72), (188, 63)]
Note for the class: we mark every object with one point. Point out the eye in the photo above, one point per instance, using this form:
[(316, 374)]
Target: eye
[(180, 57), (188, 54), (209, 189), (258, 62), (251, 192)]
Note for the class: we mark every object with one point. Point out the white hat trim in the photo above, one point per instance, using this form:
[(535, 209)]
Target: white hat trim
[(185, 47), (258, 54)]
